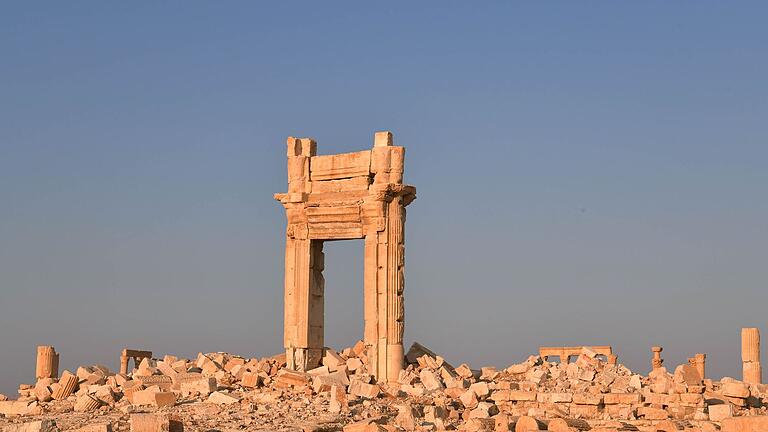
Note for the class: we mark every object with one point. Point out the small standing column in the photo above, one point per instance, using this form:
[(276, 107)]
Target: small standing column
[(750, 355), (656, 361), (613, 359), (124, 364), (699, 362), (47, 362)]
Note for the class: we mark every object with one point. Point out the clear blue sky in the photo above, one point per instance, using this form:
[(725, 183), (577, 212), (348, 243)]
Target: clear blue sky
[(587, 173)]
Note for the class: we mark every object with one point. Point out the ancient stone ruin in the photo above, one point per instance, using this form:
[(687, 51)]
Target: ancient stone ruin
[(345, 197), (373, 386)]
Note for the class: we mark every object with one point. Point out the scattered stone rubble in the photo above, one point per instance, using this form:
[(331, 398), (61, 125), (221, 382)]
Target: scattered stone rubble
[(220, 391)]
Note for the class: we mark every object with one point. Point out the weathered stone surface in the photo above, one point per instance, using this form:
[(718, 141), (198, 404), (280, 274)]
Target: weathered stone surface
[(66, 386), (222, 398), (336, 197), (745, 424), (364, 390), (14, 408), (527, 424), (719, 412), (96, 427), (33, 426), (735, 389), (87, 403), (154, 423), (154, 397)]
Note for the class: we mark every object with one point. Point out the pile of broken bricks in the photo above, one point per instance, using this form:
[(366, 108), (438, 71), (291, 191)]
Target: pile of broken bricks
[(225, 392)]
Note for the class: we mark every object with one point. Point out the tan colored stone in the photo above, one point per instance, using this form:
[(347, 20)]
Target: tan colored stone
[(735, 389), (406, 417), (687, 374), (332, 197), (469, 399), (251, 379), (338, 400), (195, 383), (293, 378), (137, 355), (527, 424), (750, 355), (67, 385), (87, 403), (587, 399), (719, 412), (464, 371), (366, 425), (153, 397), (565, 353), (95, 427), (430, 380), (364, 390), (656, 361), (332, 359), (47, 362), (666, 426), (155, 423), (14, 408), (559, 425), (621, 398), (651, 413), (745, 424), (222, 398), (33, 426)]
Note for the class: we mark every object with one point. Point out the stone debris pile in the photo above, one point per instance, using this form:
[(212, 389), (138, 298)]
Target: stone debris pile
[(216, 390)]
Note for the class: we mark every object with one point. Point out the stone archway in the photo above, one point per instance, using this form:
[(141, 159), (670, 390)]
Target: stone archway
[(340, 197)]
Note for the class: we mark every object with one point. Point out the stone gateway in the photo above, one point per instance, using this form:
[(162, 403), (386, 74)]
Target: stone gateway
[(342, 197)]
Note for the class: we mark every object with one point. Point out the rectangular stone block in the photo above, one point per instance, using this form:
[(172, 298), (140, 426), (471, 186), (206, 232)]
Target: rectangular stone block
[(13, 408), (520, 395), (338, 166), (745, 424), (155, 423), (293, 378), (162, 381), (251, 379), (96, 427), (554, 397), (719, 412), (342, 185), (622, 398), (620, 411), (651, 413), (584, 411), (154, 398), (587, 399), (364, 390), (34, 426)]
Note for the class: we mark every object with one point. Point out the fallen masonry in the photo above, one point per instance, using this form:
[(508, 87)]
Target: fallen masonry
[(374, 386), (221, 391)]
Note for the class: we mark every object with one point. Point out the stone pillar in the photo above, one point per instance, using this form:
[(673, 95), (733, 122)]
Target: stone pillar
[(47, 362), (613, 359), (656, 361), (87, 403), (124, 364), (750, 355), (66, 386), (304, 303), (395, 287), (699, 362), (371, 300)]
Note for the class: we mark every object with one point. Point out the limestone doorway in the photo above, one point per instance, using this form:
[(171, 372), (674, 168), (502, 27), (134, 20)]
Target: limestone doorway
[(343, 197)]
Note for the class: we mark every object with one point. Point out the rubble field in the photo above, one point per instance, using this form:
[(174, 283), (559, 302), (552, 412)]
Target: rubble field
[(225, 392)]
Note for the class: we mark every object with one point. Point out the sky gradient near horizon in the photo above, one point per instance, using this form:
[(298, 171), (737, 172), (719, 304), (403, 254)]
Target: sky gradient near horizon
[(587, 173)]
